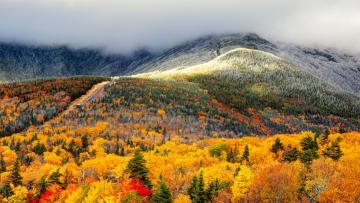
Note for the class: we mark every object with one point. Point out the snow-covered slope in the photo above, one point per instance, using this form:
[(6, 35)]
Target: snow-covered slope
[(199, 51), (267, 75), (18, 62), (339, 69)]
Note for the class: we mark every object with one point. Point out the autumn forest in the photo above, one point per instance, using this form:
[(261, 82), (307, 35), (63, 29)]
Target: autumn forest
[(148, 140)]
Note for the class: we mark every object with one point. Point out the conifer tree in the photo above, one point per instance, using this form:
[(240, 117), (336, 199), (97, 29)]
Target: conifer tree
[(143, 147), (291, 154), (84, 143), (137, 169), (54, 178), (74, 148), (201, 186), (327, 132), (277, 146), (2, 164), (237, 170), (317, 133), (43, 184), (196, 189), (230, 156), (192, 190), (309, 148), (308, 143), (117, 149), (162, 195), (122, 151), (324, 138), (28, 159), (246, 154), (12, 143), (14, 176), (39, 149), (5, 190), (308, 155), (333, 151), (198, 193), (17, 146)]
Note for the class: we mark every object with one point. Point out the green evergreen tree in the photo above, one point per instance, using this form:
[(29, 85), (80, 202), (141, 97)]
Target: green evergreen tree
[(122, 151), (162, 195), (230, 156), (237, 170), (309, 143), (327, 132), (192, 190), (12, 143), (324, 138), (309, 148), (333, 151), (317, 133), (54, 178), (137, 169), (17, 146), (292, 154), (74, 149), (43, 185), (308, 155), (84, 143), (5, 190), (39, 149), (34, 137), (117, 149), (2, 164), (201, 186), (143, 147), (14, 176), (198, 193), (196, 189), (28, 159), (246, 154), (277, 146)]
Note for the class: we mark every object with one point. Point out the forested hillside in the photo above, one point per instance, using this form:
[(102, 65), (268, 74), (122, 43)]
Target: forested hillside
[(272, 93), (34, 102), (245, 127)]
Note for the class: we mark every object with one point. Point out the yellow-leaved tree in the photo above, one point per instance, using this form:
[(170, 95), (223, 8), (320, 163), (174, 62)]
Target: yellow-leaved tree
[(241, 183)]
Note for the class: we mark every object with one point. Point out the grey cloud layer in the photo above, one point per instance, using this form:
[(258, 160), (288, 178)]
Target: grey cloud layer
[(124, 25)]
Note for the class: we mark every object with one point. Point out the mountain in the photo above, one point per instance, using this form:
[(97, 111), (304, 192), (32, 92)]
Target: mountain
[(248, 81), (19, 62), (244, 126), (339, 69)]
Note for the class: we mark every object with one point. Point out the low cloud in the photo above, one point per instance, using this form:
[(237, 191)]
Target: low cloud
[(125, 25)]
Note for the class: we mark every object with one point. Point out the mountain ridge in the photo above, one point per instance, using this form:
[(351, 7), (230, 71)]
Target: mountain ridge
[(19, 62), (259, 67)]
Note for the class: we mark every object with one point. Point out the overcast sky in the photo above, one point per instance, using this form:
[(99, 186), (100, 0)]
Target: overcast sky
[(124, 25)]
